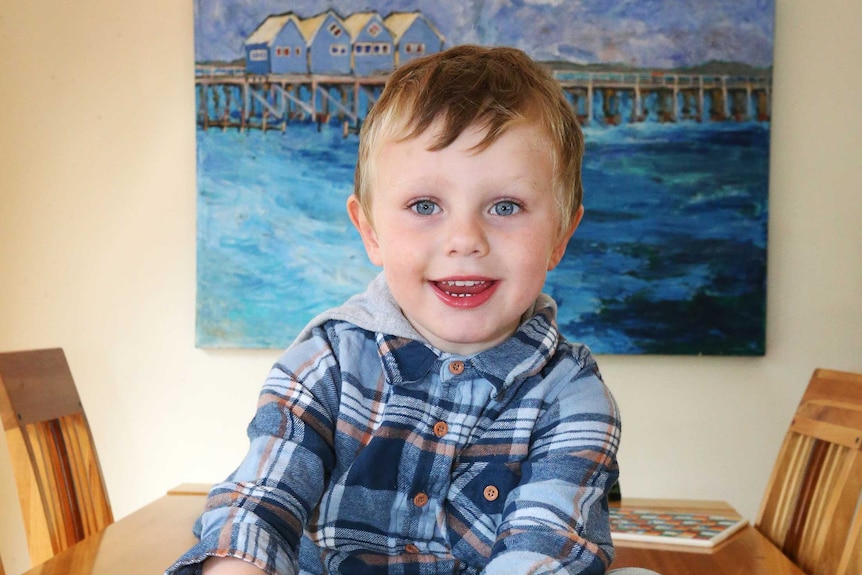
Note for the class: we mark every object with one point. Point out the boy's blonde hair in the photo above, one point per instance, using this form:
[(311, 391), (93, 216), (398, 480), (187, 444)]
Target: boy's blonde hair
[(473, 85)]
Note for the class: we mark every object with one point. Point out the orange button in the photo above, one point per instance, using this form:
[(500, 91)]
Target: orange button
[(410, 548), (456, 367), (441, 428), (420, 499), (491, 493)]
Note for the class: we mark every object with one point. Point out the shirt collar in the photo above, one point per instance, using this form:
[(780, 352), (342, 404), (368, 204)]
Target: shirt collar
[(524, 354)]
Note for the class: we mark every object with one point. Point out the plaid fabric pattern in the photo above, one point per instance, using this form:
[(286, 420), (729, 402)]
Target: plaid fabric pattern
[(371, 454)]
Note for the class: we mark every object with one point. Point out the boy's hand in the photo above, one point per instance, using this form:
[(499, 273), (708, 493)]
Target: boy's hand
[(229, 566)]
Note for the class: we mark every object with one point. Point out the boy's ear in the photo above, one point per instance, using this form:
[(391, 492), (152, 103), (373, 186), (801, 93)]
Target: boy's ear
[(560, 249), (365, 229)]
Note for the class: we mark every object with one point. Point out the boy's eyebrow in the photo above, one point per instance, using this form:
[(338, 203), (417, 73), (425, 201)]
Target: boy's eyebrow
[(503, 186)]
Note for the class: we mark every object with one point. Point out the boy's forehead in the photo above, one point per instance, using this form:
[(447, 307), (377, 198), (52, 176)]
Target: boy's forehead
[(520, 154), (407, 131)]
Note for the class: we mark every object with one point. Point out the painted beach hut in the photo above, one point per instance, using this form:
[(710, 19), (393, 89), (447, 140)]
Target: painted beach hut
[(277, 47), (372, 45), (414, 35), (257, 46), (328, 43)]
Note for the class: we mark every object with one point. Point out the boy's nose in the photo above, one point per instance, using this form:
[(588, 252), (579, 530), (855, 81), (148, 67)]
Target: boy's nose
[(466, 237)]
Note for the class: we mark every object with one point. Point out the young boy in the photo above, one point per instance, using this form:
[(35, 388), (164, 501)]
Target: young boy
[(438, 422)]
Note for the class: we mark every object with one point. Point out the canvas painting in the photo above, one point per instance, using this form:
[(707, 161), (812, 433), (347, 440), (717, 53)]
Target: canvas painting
[(674, 100)]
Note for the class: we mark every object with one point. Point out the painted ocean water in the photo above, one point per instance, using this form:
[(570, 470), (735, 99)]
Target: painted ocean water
[(670, 257)]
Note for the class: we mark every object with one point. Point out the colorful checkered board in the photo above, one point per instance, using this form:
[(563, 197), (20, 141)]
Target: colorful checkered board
[(682, 528)]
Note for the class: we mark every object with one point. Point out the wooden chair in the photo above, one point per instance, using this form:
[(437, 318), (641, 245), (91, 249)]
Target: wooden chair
[(60, 484), (812, 508)]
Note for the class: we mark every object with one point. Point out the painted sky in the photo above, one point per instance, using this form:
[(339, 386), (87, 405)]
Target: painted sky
[(642, 33)]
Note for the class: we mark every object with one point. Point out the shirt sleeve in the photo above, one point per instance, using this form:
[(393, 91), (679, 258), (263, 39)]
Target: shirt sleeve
[(259, 512), (557, 519)]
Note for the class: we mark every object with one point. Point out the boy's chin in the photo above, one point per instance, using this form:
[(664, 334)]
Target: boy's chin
[(467, 343)]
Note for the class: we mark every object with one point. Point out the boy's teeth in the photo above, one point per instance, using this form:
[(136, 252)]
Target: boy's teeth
[(463, 288)]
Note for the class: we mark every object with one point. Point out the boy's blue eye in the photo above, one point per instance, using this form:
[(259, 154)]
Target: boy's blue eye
[(505, 208), (424, 207)]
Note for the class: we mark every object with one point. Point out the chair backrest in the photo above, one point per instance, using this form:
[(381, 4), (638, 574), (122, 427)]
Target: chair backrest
[(812, 508), (60, 484)]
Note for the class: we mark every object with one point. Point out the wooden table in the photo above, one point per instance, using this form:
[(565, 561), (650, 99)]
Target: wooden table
[(152, 538), (145, 542), (747, 552)]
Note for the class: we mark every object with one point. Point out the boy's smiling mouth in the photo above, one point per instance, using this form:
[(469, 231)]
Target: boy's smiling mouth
[(463, 288), (464, 293)]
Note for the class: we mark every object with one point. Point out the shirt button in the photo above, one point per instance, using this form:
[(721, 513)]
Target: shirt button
[(456, 367), (420, 499), (441, 428), (410, 548), (491, 493)]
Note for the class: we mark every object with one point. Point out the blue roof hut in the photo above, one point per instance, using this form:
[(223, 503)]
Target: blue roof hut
[(414, 35), (257, 54), (372, 44), (328, 43), (277, 47)]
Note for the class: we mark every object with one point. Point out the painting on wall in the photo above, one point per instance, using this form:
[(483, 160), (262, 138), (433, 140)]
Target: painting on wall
[(674, 99)]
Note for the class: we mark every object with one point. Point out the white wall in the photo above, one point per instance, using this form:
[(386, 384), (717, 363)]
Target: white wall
[(97, 255)]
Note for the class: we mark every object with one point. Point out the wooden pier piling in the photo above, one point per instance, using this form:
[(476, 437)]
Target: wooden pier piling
[(232, 99)]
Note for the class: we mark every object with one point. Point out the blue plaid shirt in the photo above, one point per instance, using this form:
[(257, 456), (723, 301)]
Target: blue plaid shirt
[(373, 453)]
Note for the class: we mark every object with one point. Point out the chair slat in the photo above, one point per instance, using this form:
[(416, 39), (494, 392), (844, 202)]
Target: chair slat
[(87, 476), (800, 511), (79, 470), (784, 487), (823, 507), (831, 432), (831, 385), (39, 541), (26, 377), (41, 456)]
